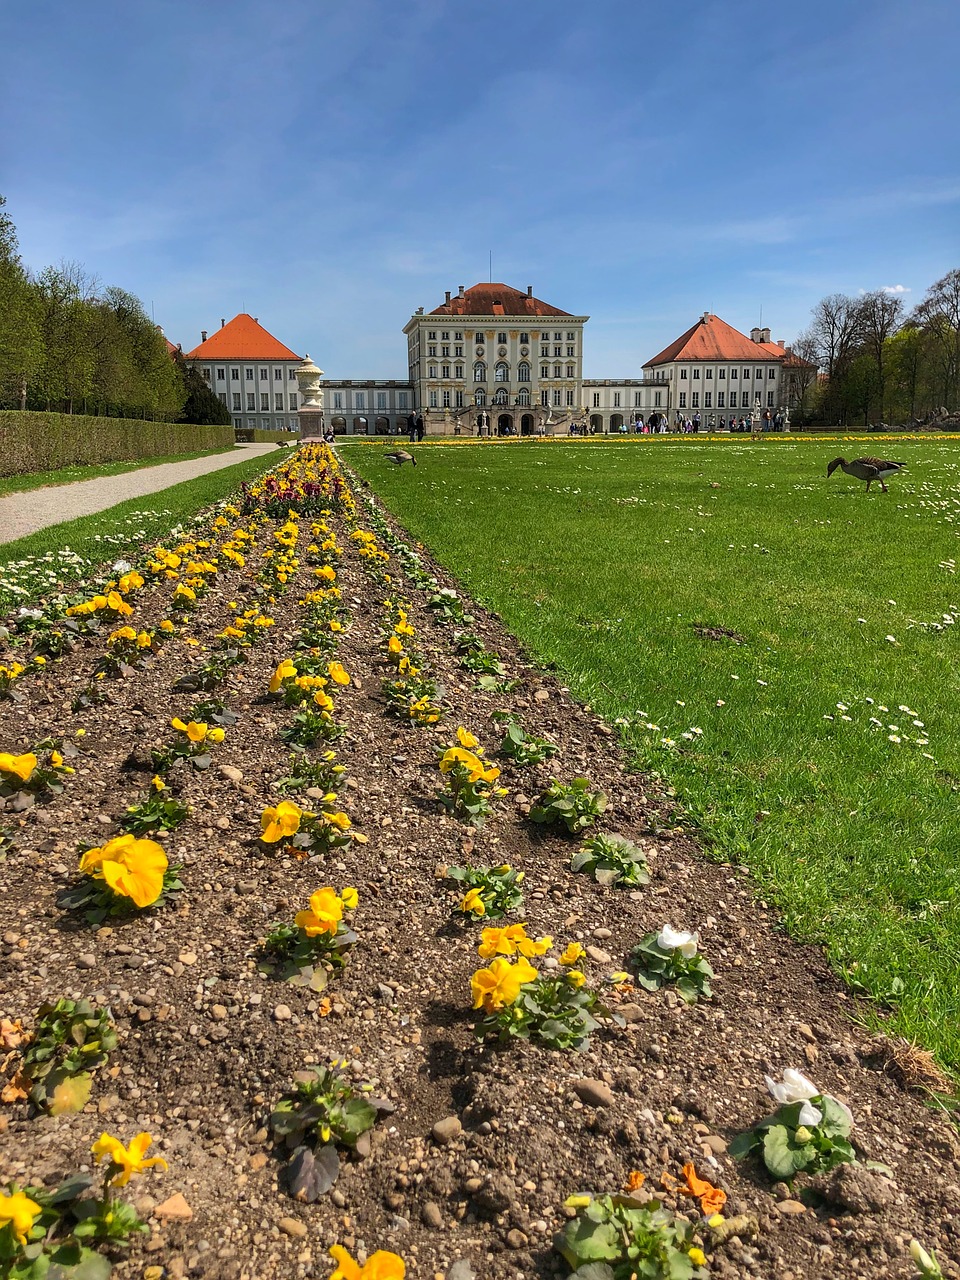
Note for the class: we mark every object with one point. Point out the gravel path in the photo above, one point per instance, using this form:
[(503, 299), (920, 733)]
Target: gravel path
[(23, 513)]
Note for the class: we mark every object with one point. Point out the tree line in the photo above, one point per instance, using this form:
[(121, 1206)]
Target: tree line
[(68, 344), (878, 364)]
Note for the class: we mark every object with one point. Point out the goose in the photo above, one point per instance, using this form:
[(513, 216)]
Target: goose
[(399, 457), (868, 469)]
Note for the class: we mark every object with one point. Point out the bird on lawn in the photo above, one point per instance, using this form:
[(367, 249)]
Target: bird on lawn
[(868, 469), (399, 457)]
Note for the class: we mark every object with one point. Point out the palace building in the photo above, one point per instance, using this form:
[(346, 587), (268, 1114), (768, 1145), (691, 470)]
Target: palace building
[(497, 360)]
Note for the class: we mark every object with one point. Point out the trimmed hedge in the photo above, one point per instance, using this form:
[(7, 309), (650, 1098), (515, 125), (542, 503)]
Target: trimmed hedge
[(36, 441), (253, 435)]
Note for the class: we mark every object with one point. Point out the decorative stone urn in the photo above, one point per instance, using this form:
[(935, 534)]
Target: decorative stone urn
[(310, 414)]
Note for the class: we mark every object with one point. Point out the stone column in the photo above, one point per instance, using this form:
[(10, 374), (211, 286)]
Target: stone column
[(310, 413)]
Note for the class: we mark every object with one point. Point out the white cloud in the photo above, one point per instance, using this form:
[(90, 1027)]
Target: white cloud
[(894, 288)]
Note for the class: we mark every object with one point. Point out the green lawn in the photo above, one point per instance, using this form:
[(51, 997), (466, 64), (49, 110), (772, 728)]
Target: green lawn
[(606, 558), (64, 554), (69, 475)]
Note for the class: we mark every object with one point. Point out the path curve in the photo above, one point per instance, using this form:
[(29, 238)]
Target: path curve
[(23, 513)]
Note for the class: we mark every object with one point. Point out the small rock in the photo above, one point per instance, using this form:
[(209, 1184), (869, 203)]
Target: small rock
[(219, 1012), (446, 1130), (231, 773), (516, 1239), (603, 934), (542, 695), (790, 1207), (257, 1161), (175, 1209), (282, 1013), (187, 957), (856, 1190), (593, 1093), (460, 1270), (431, 1215), (601, 957), (292, 1227), (630, 1012), (86, 961), (716, 1144)]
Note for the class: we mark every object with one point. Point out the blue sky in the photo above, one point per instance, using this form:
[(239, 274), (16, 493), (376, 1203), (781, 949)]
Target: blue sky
[(331, 166)]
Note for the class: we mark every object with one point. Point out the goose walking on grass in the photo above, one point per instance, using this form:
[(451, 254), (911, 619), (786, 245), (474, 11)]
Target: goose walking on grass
[(399, 457), (868, 469)]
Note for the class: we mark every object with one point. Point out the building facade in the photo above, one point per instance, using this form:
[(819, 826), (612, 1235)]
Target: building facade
[(367, 408), (252, 373), (493, 358)]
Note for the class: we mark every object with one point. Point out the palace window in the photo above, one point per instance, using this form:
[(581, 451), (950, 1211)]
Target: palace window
[(656, 399), (556, 371), (544, 351), (744, 399), (251, 402), (569, 399), (249, 374), (264, 375), (696, 375), (616, 399), (432, 335), (445, 335), (557, 398), (402, 400), (523, 397), (501, 396), (445, 351), (278, 401), (545, 399), (721, 374), (707, 399), (361, 401), (459, 371), (502, 339), (478, 339), (293, 401), (733, 375), (544, 371), (758, 374), (458, 351), (433, 399), (236, 401), (571, 371), (558, 351), (278, 375), (480, 399), (571, 351), (683, 374), (222, 397), (221, 375), (709, 375), (771, 373), (205, 374), (695, 400), (596, 399), (769, 399), (446, 371), (264, 401), (479, 372), (381, 399), (234, 375), (523, 372), (721, 396), (446, 400), (338, 399), (746, 374), (432, 371), (432, 349), (571, 337), (459, 399), (683, 399), (501, 372), (637, 399), (558, 337)]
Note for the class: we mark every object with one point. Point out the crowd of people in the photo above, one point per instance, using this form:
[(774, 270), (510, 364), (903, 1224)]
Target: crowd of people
[(660, 424)]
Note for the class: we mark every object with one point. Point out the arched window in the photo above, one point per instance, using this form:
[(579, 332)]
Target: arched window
[(501, 396), (524, 397), (523, 371), (501, 372), (479, 372), (480, 399)]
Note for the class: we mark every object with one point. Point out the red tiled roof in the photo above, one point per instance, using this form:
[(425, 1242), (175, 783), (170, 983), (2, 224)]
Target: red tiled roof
[(242, 339), (171, 349), (496, 300), (713, 339)]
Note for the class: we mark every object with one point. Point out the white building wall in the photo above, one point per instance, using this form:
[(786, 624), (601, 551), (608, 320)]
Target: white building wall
[(236, 381)]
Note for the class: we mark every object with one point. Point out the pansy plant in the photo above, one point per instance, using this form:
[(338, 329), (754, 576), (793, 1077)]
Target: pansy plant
[(569, 804), (469, 779), (612, 860), (307, 951), (521, 747), (488, 892), (193, 743), (808, 1133), (124, 875), (625, 1238), (305, 831), (672, 958)]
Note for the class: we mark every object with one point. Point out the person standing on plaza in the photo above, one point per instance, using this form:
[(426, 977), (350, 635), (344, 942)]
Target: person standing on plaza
[(412, 428), (421, 429)]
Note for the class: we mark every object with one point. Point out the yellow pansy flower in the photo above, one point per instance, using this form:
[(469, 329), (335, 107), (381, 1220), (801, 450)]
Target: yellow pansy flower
[(379, 1266), (280, 822), (285, 671), (466, 739), (472, 901), (572, 953), (499, 984), (131, 867), (19, 1210), (22, 766), (337, 673), (575, 977), (324, 914), (129, 1160)]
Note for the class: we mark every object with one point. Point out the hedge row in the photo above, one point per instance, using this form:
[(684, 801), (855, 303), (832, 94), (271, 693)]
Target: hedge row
[(253, 435), (34, 441)]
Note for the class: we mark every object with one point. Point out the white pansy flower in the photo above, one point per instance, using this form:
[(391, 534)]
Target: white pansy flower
[(794, 1087), (810, 1116), (676, 940)]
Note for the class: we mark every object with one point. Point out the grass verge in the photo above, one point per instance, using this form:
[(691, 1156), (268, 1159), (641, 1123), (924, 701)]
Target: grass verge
[(781, 648), (70, 475), (36, 565)]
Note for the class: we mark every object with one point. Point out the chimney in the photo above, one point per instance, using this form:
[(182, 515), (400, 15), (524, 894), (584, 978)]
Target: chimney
[(203, 335), (460, 294), (222, 322), (781, 344), (764, 335), (754, 334), (529, 290), (447, 291), (705, 317), (256, 319)]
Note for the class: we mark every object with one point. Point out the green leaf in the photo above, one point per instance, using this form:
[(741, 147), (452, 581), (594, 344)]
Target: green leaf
[(743, 1144), (783, 1158), (583, 1240)]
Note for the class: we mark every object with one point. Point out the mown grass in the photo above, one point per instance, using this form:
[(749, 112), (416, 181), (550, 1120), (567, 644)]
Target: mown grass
[(606, 558), (32, 567), (70, 475)]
